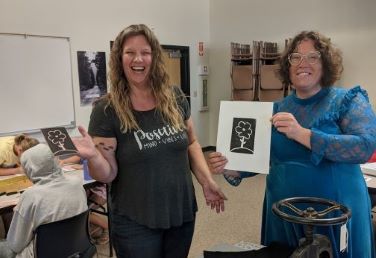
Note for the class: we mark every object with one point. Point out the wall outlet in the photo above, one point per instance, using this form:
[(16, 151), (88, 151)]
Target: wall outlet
[(203, 70)]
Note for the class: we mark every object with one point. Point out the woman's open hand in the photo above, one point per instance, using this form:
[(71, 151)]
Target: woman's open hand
[(85, 145), (214, 196)]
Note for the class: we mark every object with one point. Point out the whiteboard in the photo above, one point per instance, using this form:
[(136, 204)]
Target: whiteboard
[(35, 83)]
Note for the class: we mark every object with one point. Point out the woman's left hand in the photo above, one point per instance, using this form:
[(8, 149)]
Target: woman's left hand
[(214, 196), (286, 123)]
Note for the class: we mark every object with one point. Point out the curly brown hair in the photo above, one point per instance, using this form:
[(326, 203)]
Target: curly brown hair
[(331, 58), (119, 95)]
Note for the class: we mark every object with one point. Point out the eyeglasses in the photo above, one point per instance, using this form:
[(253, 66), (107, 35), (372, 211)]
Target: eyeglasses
[(297, 58)]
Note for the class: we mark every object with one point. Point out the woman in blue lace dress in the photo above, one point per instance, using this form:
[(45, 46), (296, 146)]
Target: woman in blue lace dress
[(320, 135)]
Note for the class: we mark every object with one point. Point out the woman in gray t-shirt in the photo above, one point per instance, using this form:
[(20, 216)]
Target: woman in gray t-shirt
[(143, 142)]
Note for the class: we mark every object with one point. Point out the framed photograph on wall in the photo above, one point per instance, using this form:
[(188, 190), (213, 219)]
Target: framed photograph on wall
[(92, 75), (244, 132)]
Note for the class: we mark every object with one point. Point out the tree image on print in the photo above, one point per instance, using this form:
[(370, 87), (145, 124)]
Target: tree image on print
[(57, 138), (59, 141), (243, 135)]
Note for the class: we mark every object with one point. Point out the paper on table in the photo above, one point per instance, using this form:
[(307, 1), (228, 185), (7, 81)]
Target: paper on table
[(71, 167), (369, 168), (244, 132)]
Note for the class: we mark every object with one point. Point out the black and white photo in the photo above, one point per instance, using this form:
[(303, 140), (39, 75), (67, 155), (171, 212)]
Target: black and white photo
[(92, 75)]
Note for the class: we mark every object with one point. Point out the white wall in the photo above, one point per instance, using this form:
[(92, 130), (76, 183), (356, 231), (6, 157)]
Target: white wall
[(351, 24), (91, 24)]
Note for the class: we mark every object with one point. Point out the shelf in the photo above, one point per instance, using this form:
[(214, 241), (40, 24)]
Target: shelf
[(242, 61), (242, 55)]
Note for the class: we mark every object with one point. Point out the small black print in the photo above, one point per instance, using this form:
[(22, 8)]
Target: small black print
[(243, 135), (59, 141)]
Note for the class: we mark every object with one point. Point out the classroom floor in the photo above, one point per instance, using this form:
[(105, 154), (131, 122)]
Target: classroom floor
[(240, 222)]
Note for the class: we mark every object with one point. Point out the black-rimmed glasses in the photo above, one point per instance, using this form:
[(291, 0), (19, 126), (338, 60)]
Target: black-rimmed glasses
[(297, 58)]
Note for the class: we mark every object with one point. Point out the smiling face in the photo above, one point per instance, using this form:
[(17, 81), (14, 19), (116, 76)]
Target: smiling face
[(137, 60), (305, 77)]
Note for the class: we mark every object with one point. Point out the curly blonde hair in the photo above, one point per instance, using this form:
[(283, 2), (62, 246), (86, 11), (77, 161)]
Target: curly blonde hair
[(331, 58), (119, 95)]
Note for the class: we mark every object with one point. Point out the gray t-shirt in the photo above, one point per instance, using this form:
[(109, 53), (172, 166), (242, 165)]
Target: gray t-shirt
[(154, 184)]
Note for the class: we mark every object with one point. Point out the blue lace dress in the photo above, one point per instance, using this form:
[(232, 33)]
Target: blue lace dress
[(343, 129)]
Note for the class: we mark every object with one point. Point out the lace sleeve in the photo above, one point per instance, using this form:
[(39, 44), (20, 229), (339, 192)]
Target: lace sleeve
[(235, 181), (357, 141)]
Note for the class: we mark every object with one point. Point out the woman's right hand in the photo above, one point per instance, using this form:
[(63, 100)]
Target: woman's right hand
[(85, 145), (216, 162)]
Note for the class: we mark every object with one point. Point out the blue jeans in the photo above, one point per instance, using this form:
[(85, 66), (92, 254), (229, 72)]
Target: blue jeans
[(132, 240)]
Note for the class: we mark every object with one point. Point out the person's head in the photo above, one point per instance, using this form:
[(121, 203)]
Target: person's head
[(136, 60), (137, 44), (39, 164), (23, 142), (310, 61)]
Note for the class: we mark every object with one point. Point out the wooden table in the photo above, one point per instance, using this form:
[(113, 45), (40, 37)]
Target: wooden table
[(11, 187)]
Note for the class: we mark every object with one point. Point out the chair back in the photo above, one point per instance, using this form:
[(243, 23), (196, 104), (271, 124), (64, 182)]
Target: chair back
[(271, 87), (242, 82), (68, 238)]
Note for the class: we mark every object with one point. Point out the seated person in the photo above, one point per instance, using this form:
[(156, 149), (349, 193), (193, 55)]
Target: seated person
[(96, 197), (46, 201), (10, 147)]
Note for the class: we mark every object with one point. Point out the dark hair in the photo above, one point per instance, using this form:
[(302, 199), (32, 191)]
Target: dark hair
[(331, 58)]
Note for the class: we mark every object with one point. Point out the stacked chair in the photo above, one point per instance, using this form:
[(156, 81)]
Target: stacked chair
[(242, 72), (254, 73)]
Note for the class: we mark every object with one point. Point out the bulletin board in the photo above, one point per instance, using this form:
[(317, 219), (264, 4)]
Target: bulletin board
[(36, 88)]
